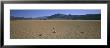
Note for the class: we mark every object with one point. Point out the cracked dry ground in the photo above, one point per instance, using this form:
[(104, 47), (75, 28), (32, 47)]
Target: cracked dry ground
[(34, 29)]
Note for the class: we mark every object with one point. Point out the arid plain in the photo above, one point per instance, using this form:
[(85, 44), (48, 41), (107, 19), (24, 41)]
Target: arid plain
[(54, 29)]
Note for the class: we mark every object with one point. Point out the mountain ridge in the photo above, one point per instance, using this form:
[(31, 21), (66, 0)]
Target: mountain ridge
[(62, 17)]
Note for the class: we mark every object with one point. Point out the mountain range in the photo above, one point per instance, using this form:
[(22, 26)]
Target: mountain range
[(62, 17)]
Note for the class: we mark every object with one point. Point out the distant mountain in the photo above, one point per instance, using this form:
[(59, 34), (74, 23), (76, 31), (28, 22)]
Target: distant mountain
[(76, 17), (62, 17), (91, 17)]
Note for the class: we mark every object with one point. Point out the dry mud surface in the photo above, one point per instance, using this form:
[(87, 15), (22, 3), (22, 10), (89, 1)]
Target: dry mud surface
[(75, 29)]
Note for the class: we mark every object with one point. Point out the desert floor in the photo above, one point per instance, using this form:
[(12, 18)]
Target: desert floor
[(70, 29)]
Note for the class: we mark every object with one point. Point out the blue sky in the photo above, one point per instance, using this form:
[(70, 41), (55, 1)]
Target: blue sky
[(48, 12)]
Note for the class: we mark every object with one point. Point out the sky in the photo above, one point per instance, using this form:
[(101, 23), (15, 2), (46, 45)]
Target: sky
[(48, 12)]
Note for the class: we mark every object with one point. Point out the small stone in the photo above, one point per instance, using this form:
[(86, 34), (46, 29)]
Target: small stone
[(54, 31), (82, 32), (40, 34), (53, 28)]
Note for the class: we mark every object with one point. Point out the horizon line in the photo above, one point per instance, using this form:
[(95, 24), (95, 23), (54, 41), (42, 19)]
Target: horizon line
[(53, 14)]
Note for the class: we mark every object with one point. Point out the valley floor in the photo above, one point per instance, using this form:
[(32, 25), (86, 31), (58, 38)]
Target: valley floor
[(74, 29)]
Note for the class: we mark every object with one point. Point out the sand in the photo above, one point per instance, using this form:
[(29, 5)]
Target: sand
[(68, 29)]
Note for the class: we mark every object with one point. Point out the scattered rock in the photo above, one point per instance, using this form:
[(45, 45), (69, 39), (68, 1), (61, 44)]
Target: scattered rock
[(82, 32), (53, 27), (40, 34), (54, 32)]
